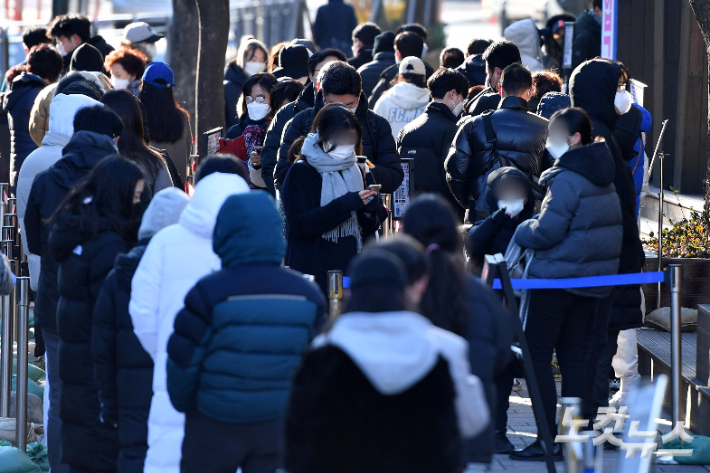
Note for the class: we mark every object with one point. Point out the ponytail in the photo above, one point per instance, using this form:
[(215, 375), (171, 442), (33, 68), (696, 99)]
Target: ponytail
[(445, 301)]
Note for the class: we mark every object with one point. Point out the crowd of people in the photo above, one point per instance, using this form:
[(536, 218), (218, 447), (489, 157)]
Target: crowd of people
[(191, 333)]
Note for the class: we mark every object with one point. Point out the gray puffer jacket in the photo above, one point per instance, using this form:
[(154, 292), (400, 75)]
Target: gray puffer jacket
[(579, 230)]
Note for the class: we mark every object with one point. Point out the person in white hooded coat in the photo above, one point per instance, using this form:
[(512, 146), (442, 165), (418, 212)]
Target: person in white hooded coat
[(525, 35), (408, 98), (176, 258)]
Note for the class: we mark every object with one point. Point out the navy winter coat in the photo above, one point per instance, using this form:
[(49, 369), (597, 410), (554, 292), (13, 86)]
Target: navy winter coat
[(334, 25), (123, 370), (234, 78), (370, 72), (474, 68), (17, 103), (85, 258), (579, 230), (49, 188), (238, 340)]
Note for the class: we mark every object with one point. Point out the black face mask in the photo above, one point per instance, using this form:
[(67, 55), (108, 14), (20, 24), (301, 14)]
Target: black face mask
[(140, 207)]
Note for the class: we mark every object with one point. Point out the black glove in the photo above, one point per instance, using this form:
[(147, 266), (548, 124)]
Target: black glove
[(499, 216)]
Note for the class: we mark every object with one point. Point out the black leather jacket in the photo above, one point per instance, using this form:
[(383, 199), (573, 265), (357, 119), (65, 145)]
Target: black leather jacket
[(520, 140)]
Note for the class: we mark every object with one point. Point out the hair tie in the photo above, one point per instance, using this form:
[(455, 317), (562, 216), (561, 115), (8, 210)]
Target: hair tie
[(432, 247)]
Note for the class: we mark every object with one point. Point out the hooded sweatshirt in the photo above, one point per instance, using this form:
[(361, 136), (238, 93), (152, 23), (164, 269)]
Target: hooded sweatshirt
[(525, 35), (61, 128), (401, 104), (158, 289)]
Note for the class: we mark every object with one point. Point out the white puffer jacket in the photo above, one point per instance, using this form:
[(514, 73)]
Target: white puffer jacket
[(401, 104), (176, 258), (525, 35)]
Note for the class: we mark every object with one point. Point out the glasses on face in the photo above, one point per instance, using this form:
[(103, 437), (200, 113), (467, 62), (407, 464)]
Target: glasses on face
[(257, 99)]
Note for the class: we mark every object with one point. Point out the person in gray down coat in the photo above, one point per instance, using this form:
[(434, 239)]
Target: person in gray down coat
[(578, 233)]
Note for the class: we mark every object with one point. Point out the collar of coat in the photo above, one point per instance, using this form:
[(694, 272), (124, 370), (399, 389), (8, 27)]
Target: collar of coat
[(514, 103)]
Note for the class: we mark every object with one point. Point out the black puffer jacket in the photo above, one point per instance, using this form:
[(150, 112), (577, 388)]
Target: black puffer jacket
[(520, 142), (100, 43), (474, 68), (370, 72), (593, 87), (487, 99), (17, 103), (385, 82), (587, 38), (49, 188), (270, 152), (84, 258), (122, 368), (427, 139), (361, 59), (579, 230), (628, 131), (492, 235), (377, 144), (234, 78)]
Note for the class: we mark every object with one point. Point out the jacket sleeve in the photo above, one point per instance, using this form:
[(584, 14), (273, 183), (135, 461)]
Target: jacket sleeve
[(458, 166), (103, 351), (550, 228), (318, 27), (269, 153), (292, 132), (388, 165), (480, 239), (102, 264), (255, 176), (145, 288), (39, 116), (443, 152), (306, 222), (162, 179), (186, 350), (33, 220)]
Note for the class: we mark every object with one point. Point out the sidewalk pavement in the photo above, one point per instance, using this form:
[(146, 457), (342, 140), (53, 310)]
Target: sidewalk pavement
[(521, 432)]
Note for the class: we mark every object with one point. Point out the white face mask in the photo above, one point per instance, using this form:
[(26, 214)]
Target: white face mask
[(513, 207), (458, 108), (151, 50), (60, 47), (120, 83), (425, 48), (623, 101), (254, 67), (258, 111), (354, 109), (556, 149), (342, 151)]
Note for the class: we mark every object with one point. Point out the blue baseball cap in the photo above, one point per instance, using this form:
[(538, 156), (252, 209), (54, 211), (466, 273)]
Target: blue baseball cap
[(159, 74)]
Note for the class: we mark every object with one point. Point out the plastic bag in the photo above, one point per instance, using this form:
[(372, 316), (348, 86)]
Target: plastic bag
[(12, 460), (700, 446), (38, 454)]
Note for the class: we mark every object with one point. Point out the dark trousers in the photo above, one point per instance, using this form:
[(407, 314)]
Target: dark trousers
[(595, 346), (220, 447), (601, 388), (557, 321), (504, 385)]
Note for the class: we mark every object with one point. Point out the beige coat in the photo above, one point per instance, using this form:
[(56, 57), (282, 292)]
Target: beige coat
[(178, 151)]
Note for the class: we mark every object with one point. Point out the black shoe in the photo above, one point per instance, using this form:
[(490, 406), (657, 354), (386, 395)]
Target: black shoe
[(534, 453), (503, 445)]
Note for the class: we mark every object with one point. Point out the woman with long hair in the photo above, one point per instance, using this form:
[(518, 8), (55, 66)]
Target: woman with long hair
[(168, 124), (252, 58), (328, 209), (96, 221), (132, 143)]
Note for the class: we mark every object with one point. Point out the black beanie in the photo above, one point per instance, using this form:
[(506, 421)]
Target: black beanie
[(87, 58), (384, 43), (377, 267)]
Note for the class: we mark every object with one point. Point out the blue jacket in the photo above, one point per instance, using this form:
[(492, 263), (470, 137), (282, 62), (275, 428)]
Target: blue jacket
[(239, 338), (334, 26)]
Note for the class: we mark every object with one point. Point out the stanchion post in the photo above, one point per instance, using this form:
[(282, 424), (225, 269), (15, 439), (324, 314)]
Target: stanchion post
[(675, 278), (571, 458), (23, 309), (6, 346), (661, 156), (335, 293)]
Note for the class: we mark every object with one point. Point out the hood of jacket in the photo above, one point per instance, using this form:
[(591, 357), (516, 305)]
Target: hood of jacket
[(593, 87), (23, 84), (62, 110), (87, 58), (164, 210), (394, 350), (200, 214), (525, 35), (234, 73), (408, 96), (474, 68), (593, 161), (552, 102), (79, 156), (52, 138), (126, 264), (77, 76), (248, 231), (383, 56), (509, 172)]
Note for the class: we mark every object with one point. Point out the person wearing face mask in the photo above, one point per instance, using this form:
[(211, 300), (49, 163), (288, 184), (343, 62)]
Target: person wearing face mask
[(597, 86), (497, 56), (251, 59), (340, 83), (510, 201), (406, 100), (257, 113), (578, 233), (71, 31), (428, 138), (141, 37), (127, 67), (328, 208), (509, 136)]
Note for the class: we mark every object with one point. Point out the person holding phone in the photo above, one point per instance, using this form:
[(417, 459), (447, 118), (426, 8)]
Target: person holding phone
[(329, 207)]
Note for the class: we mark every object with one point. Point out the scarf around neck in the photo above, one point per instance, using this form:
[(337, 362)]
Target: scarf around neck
[(340, 176)]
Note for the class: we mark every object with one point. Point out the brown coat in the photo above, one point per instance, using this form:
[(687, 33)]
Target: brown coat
[(180, 150)]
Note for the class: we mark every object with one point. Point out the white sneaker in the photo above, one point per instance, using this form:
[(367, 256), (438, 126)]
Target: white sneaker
[(621, 398)]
